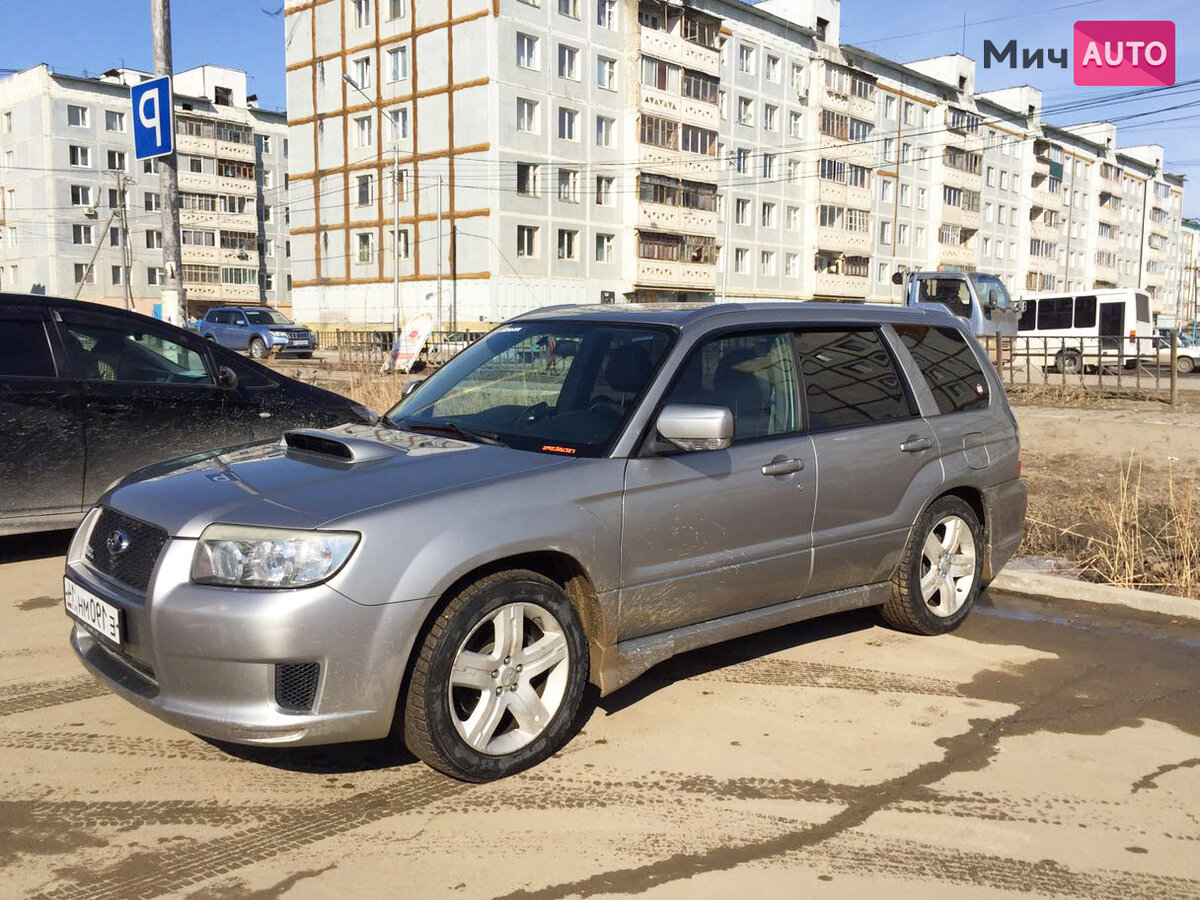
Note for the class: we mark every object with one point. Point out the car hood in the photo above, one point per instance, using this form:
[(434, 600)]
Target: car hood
[(312, 478)]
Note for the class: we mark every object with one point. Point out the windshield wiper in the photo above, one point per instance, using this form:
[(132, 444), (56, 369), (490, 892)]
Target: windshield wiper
[(455, 430)]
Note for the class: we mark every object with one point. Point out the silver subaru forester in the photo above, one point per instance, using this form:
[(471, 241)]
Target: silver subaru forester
[(578, 496)]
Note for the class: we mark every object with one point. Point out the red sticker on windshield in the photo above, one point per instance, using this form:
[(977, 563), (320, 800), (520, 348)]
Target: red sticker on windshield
[(554, 448)]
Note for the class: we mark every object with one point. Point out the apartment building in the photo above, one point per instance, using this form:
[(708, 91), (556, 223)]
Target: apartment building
[(635, 150), (80, 217)]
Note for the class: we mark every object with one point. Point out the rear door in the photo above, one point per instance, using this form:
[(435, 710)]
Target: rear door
[(41, 421), (708, 534), (877, 459), (149, 394)]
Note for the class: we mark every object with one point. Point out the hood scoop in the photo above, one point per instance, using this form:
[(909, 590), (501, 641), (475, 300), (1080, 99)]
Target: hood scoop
[(336, 447)]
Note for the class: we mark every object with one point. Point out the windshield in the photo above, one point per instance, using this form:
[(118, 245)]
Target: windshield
[(267, 317), (553, 387), (984, 284)]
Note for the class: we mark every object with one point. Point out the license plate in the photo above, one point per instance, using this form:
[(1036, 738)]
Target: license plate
[(98, 615)]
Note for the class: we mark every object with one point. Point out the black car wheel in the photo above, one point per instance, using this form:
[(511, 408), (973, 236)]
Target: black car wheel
[(258, 348), (498, 680)]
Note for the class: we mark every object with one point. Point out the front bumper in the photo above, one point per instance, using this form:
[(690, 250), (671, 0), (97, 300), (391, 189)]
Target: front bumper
[(204, 658), (296, 343)]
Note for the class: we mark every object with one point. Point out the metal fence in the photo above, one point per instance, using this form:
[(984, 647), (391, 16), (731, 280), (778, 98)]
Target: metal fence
[(369, 349), (1141, 363)]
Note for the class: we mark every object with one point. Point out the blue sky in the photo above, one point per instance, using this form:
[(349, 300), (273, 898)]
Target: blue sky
[(93, 35)]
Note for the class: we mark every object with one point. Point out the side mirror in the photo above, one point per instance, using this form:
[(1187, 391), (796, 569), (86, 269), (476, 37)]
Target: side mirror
[(693, 427), (227, 379), (993, 298), (410, 387)]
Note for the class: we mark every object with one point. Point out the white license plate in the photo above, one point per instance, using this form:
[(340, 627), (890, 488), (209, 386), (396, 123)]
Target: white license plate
[(98, 615)]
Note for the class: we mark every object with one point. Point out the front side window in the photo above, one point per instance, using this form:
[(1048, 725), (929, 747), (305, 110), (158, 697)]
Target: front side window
[(551, 387), (125, 354), (849, 380), (948, 365), (24, 349), (751, 375)]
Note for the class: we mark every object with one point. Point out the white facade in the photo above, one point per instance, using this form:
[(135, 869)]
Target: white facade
[(612, 151), (67, 161)]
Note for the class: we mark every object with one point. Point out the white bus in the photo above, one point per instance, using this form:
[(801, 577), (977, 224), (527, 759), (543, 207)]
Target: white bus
[(1090, 329)]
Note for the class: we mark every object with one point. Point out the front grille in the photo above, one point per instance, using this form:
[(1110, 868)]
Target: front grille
[(296, 685), (125, 548)]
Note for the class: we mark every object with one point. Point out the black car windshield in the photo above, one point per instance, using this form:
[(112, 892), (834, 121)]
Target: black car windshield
[(548, 386), (267, 317)]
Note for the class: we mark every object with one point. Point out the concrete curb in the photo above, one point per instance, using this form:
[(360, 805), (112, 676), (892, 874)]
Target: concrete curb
[(1050, 587)]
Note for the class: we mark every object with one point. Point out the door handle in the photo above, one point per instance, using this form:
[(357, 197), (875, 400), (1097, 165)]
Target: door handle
[(782, 467), (916, 443)]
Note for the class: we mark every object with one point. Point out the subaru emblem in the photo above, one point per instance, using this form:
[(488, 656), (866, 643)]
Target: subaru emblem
[(117, 543)]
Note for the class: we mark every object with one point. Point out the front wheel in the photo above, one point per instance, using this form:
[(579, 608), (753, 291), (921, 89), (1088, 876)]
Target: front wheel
[(941, 572), (1184, 364), (498, 680), (258, 348)]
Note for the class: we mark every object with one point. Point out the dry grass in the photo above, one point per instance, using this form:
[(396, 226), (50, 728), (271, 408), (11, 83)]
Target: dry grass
[(1139, 529)]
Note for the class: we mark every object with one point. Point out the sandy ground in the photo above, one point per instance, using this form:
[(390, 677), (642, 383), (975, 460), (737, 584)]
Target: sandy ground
[(1159, 435), (1038, 751)]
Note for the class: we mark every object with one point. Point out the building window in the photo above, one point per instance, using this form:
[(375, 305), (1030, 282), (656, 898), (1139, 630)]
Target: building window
[(604, 131), (793, 218), (741, 211), (114, 236), (746, 59), (153, 239), (606, 73), (767, 218), (885, 232), (773, 69), (81, 157), (606, 13), (363, 125), (84, 274), (860, 130), (604, 190), (114, 121), (81, 234), (366, 247), (399, 123), (567, 243), (153, 202), (116, 276), (154, 275), (365, 189), (795, 124), (527, 235), (568, 124), (77, 116), (604, 248), (766, 265), (699, 140), (745, 113), (569, 8), (397, 9), (741, 162), (740, 257), (527, 118), (660, 75), (362, 72), (116, 160), (362, 14), (81, 195), (398, 64), (791, 265), (568, 185), (770, 117), (527, 179), (768, 165), (568, 62), (527, 51)]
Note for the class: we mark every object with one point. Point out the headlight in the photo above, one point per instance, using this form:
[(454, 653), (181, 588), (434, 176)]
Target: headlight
[(280, 334), (242, 556)]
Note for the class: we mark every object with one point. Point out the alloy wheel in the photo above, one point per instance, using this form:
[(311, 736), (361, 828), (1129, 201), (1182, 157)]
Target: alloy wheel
[(947, 566)]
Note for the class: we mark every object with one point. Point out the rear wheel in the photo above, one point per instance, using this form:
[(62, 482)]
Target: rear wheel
[(498, 680), (941, 573), (1184, 364), (1069, 362), (258, 348)]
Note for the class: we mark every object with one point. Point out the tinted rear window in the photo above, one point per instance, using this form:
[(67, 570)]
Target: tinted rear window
[(24, 350), (950, 367), (849, 380)]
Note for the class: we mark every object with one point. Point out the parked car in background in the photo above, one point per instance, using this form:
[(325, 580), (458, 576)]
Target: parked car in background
[(258, 330), (1187, 353), (517, 527), (89, 393)]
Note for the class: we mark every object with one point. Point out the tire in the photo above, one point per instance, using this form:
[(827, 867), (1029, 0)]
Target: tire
[(258, 348), (1184, 365), (912, 607), (1068, 362), (485, 727)]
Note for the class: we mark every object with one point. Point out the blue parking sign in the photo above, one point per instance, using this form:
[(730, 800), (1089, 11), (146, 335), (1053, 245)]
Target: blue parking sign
[(153, 118)]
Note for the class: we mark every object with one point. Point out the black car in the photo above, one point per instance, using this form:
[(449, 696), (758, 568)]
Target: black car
[(89, 393)]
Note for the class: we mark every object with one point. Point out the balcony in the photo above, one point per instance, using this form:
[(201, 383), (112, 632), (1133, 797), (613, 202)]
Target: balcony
[(829, 284), (1042, 231), (862, 108), (235, 151), (1044, 199), (670, 47), (659, 102), (697, 112), (676, 275), (852, 243), (953, 177), (678, 162), (242, 187), (958, 256), (225, 293), (197, 218), (198, 182)]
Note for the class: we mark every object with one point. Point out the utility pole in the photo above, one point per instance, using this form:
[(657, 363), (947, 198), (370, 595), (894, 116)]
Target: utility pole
[(395, 246), (439, 256), (174, 304), (126, 255)]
